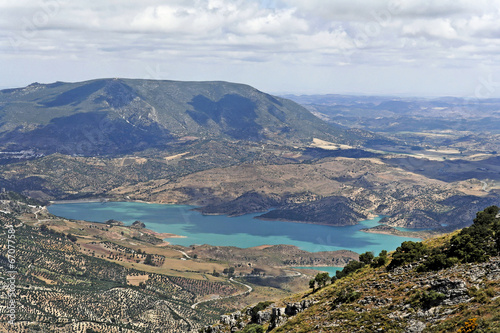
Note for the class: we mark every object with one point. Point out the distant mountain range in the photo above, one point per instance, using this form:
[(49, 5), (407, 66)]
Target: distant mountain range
[(389, 114), (120, 116)]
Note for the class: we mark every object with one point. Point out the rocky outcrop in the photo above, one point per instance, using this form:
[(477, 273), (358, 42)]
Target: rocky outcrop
[(293, 308), (263, 317), (138, 225), (278, 317), (455, 291), (274, 316), (232, 320), (415, 326), (375, 301), (407, 300), (115, 223)]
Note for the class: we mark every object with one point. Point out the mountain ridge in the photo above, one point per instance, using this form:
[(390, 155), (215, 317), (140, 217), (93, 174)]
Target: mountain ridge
[(117, 116)]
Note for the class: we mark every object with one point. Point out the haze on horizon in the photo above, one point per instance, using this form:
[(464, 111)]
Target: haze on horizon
[(397, 47)]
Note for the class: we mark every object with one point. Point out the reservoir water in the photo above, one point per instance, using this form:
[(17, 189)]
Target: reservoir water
[(243, 231)]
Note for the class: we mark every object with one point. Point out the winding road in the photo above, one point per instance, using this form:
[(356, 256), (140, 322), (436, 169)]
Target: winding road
[(248, 291), (184, 254)]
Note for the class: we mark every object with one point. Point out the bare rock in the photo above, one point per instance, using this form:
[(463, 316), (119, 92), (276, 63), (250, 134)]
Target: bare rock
[(278, 317), (415, 326)]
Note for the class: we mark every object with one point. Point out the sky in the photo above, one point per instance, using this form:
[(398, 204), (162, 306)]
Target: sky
[(398, 47)]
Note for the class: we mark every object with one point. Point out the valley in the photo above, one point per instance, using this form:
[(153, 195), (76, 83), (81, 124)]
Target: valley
[(79, 275), (283, 157), (227, 150)]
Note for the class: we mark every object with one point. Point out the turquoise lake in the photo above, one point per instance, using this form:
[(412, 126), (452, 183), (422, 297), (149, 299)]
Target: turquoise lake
[(243, 231)]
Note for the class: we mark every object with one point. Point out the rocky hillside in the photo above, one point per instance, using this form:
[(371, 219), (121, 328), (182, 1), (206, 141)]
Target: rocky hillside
[(117, 116), (448, 284)]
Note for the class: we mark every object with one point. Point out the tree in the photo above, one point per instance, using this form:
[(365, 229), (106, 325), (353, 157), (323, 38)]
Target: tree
[(149, 260), (321, 279), (381, 260), (407, 253), (366, 257), (351, 267), (312, 284), (72, 238)]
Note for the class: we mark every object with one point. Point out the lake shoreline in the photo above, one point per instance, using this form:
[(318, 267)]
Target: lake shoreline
[(163, 235), (197, 209), (182, 226), (91, 200), (383, 229)]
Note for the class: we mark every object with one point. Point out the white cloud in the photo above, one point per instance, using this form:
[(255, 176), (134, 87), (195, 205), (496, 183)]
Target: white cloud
[(314, 34)]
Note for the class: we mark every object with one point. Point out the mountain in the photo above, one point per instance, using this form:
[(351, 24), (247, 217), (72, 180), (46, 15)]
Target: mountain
[(119, 116)]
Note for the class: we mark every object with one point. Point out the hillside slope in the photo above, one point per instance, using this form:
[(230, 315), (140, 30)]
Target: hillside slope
[(447, 284), (116, 116)]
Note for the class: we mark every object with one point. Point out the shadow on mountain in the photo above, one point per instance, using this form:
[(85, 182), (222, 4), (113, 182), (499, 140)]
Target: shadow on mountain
[(33, 183), (351, 153), (449, 170), (88, 134), (235, 115), (75, 96)]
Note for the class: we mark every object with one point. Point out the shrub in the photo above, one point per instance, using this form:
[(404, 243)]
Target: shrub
[(482, 295), (381, 260), (431, 298), (347, 296), (407, 253), (436, 262), (469, 326), (351, 267), (259, 307), (72, 238), (253, 328)]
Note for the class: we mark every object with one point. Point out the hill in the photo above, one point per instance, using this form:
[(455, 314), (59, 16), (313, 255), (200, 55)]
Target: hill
[(119, 116), (447, 284)]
